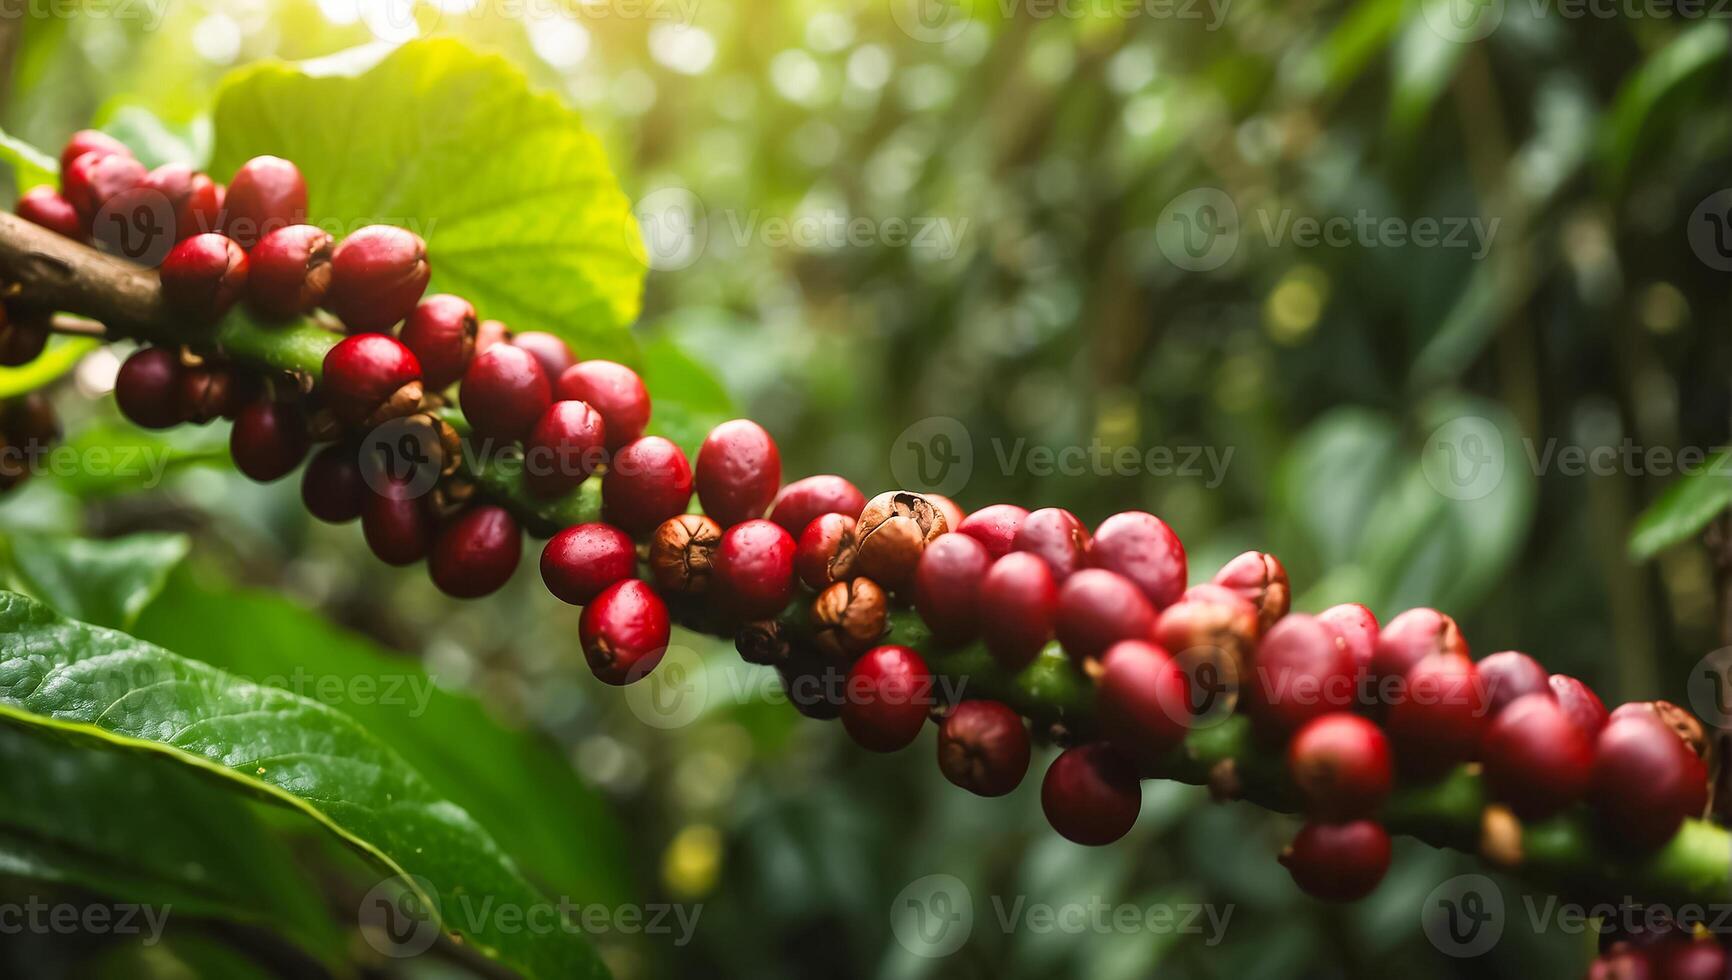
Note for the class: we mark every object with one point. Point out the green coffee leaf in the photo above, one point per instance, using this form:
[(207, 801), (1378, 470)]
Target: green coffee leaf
[(103, 582), (1685, 509)]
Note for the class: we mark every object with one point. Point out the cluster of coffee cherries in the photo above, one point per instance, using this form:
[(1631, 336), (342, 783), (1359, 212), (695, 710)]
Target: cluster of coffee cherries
[(1661, 950)]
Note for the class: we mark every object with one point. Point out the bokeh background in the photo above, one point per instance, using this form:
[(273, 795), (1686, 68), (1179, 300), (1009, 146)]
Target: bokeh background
[(1058, 155)]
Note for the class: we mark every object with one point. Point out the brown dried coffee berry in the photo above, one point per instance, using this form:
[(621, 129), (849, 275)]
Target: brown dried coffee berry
[(848, 618), (682, 551), (764, 642), (893, 531)]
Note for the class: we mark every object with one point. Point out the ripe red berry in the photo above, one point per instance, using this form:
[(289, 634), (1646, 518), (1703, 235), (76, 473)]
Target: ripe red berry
[(1690, 959), (554, 354), (332, 488), (1018, 608), (204, 275), (23, 336), (1356, 629), (93, 179), (1580, 703), (563, 449), (1510, 675), (266, 193), (504, 393), (983, 747), (953, 515), (1645, 781), (738, 471), (800, 503), (44, 206), (491, 332), (1682, 723), (947, 586), (1058, 537), (147, 386), (615, 391), (269, 439), (475, 554), (194, 201), (172, 203), (824, 552), (1262, 580), (755, 569), (378, 274), (1090, 795), (441, 331), (1536, 759), (1142, 548), (1300, 672), (994, 526), (1338, 862), (396, 525), (1410, 638), (888, 698), (291, 271), (647, 482), (1439, 714), (582, 561), (210, 391), (624, 632), (1097, 608), (1624, 962), (1340, 762), (1210, 631), (1143, 701), (370, 379), (90, 141)]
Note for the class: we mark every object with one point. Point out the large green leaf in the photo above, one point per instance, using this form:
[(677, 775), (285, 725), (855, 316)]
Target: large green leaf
[(1685, 509), (58, 674), (520, 210), (1648, 91), (104, 582)]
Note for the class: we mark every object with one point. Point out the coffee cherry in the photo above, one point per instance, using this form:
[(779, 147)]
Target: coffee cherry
[(683, 552), (1097, 608), (1300, 672), (203, 276), (1536, 759), (1340, 762), (738, 471), (475, 554), (554, 354), (800, 503), (146, 387), (888, 698), (1510, 675), (755, 569), (1439, 714), (93, 179), (370, 379), (290, 271), (1410, 638), (1262, 580), (817, 689), (1682, 723), (1690, 959), (647, 482), (195, 202), (583, 560), (1580, 703), (29, 428), (848, 618), (563, 449), (1090, 795), (983, 748), (441, 331), (1210, 631), (893, 530), (90, 141), (1142, 548), (624, 632), (953, 514), (825, 551), (378, 274), (1018, 608), (210, 391), (947, 586), (23, 336), (44, 206), (1355, 630), (615, 391), (269, 439), (491, 332), (1058, 537), (504, 393), (396, 525), (994, 526), (1624, 962), (1142, 698), (332, 488), (266, 193), (1338, 862), (1645, 781)]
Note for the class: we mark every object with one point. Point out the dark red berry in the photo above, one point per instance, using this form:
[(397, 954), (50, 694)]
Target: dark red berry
[(1090, 795), (504, 393), (1262, 580), (1410, 638), (1682, 723), (624, 632), (1340, 762), (377, 276), (738, 471), (803, 501), (147, 388), (1438, 715), (824, 553), (1143, 700), (95, 178), (1338, 862), (475, 554), (266, 193), (947, 585), (1645, 782), (888, 698), (683, 553), (44, 206), (90, 141), (172, 203), (1097, 608), (615, 391), (1356, 630), (370, 379), (269, 439), (491, 332), (1018, 608), (1690, 959), (1058, 537), (554, 354), (1299, 673), (1142, 548), (1580, 703), (1510, 675), (1536, 759), (564, 448), (332, 488), (647, 482), (994, 526), (580, 562), (396, 525), (1624, 962), (291, 271), (754, 569), (23, 336), (983, 747), (194, 201), (210, 391), (204, 275), (441, 331)]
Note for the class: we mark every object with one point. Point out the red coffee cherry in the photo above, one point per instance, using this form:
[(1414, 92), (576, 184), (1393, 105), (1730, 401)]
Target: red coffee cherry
[(624, 632), (269, 439), (824, 554), (563, 449), (203, 276), (1624, 962), (1410, 638), (888, 698), (755, 569), (396, 525), (1262, 580), (1690, 959), (194, 199), (476, 554), (146, 388), (1098, 608), (1058, 537), (377, 276), (1142, 699), (615, 391), (994, 526), (1142, 548), (983, 748), (491, 332), (1356, 630), (441, 331), (947, 586), (1340, 762), (332, 488), (90, 141), (803, 501), (370, 379), (1018, 608), (647, 482), (582, 561), (290, 271), (554, 354), (1580, 703), (44, 206), (504, 393), (1536, 759), (1682, 723), (1438, 715), (953, 515), (266, 193), (1210, 631), (95, 178), (210, 391), (1299, 673), (1644, 782), (1090, 795), (172, 203), (1510, 675), (23, 336), (738, 471), (1338, 862)]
